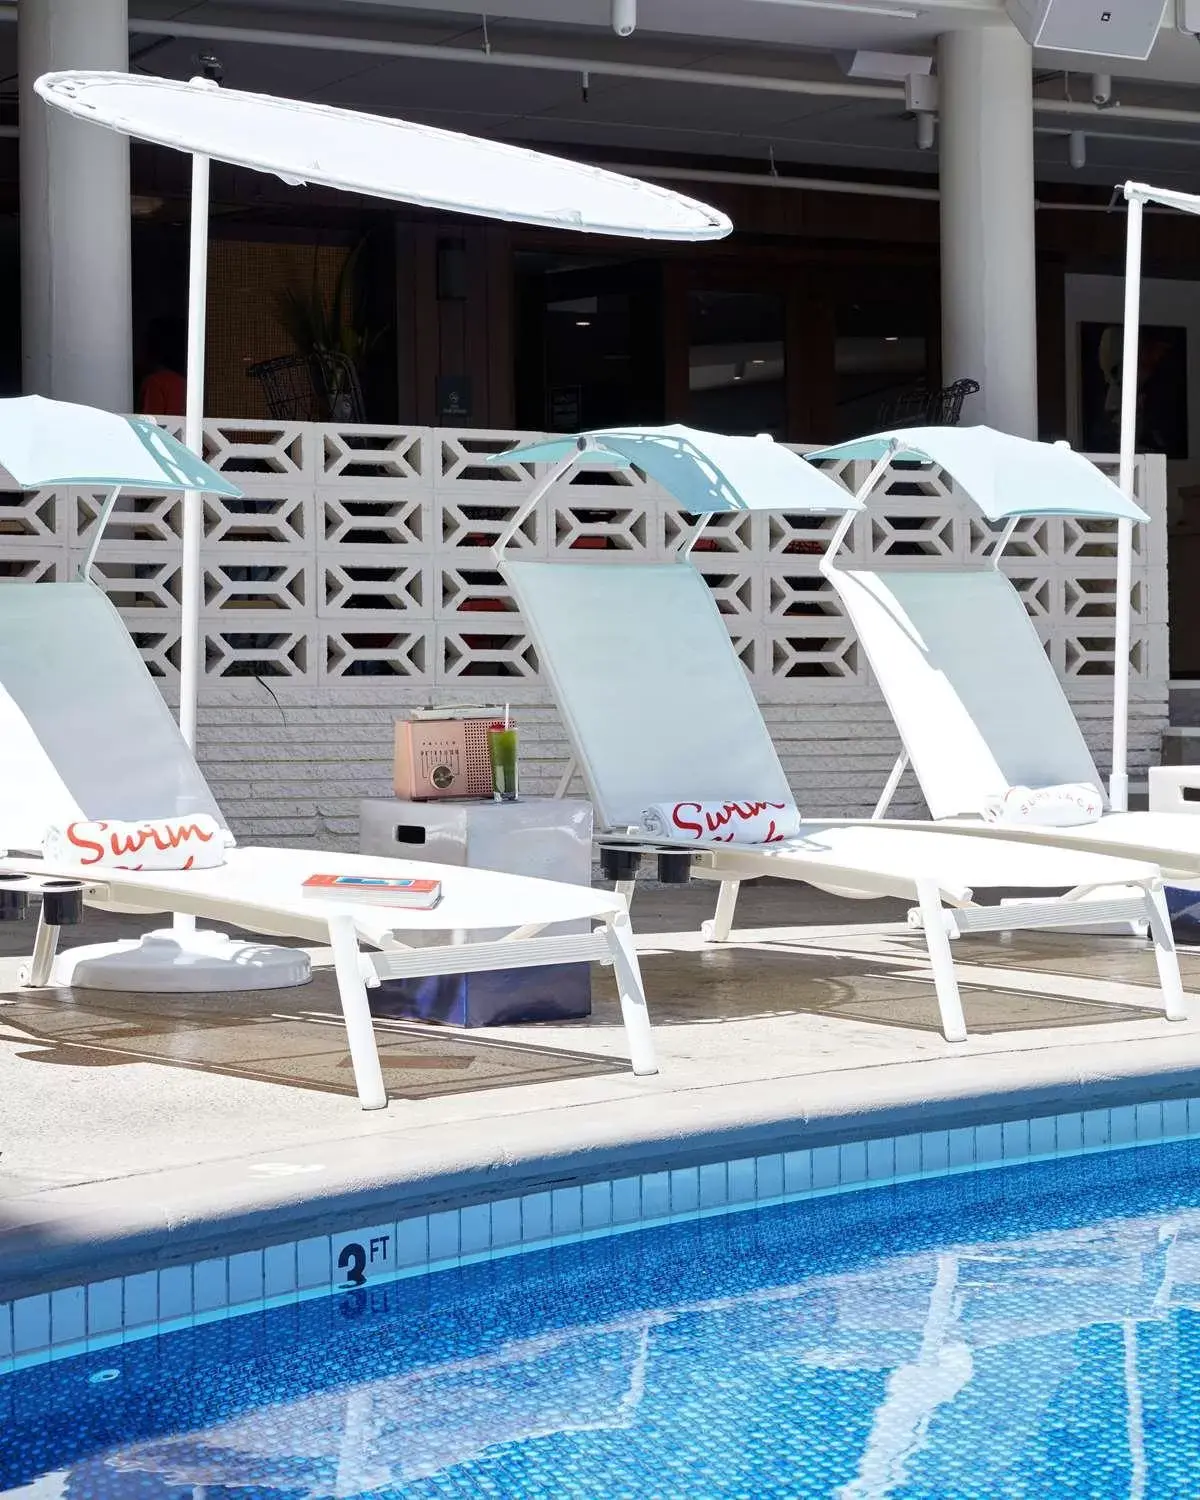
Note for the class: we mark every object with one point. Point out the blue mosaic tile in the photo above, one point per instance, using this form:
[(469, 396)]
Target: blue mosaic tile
[(444, 1232), (797, 1171), (935, 1151), (1014, 1140), (825, 1167), (852, 1163), (685, 1190), (506, 1230), (965, 1337), (279, 1270), (31, 1324), (140, 1301), (627, 1200), (68, 1313), (714, 1184), (1043, 1136), (175, 1292), (743, 1181), (537, 1222), (566, 1210), (597, 1204), (475, 1229), (989, 1144), (768, 1172), (105, 1305)]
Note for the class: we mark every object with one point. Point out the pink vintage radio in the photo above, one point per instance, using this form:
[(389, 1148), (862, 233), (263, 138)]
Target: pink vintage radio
[(443, 752)]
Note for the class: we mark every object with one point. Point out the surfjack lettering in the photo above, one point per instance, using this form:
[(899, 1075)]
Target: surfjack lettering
[(155, 844)]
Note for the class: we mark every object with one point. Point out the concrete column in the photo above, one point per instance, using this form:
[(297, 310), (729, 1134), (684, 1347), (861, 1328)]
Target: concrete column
[(76, 318), (989, 298)]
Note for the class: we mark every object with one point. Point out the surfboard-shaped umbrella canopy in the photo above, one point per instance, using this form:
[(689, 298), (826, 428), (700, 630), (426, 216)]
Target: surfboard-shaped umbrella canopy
[(704, 472), (44, 442), (1006, 476), (302, 142)]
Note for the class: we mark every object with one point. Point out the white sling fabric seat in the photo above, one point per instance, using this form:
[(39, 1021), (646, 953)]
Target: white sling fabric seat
[(980, 708), (658, 708), (85, 733)]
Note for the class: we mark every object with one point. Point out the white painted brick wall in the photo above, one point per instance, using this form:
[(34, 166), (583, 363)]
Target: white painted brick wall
[(294, 773)]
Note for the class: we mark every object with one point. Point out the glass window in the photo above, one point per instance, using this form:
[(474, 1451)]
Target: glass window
[(880, 359), (736, 366)]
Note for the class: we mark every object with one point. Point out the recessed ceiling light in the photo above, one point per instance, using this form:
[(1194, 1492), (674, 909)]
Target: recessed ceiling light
[(758, 361), (583, 322), (892, 338)]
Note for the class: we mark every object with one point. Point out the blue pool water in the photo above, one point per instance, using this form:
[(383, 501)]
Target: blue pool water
[(1028, 1332)]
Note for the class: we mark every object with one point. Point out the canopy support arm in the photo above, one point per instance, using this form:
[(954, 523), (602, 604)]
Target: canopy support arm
[(1005, 537), (106, 510), (878, 469), (534, 499), (694, 534)]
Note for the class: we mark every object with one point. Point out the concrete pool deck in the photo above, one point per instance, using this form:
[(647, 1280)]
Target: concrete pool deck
[(140, 1130)]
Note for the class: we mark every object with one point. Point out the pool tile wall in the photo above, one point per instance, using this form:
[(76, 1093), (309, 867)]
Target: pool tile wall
[(105, 1313)]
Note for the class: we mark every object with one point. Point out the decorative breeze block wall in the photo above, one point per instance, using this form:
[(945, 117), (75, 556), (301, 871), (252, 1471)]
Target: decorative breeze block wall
[(354, 582)]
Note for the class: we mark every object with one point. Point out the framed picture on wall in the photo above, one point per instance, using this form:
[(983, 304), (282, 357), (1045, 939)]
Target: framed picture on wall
[(1162, 399)]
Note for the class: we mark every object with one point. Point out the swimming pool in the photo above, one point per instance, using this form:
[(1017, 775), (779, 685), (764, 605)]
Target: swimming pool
[(1029, 1331)]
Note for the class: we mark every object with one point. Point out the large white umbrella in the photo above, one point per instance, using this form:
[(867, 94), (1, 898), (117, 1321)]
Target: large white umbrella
[(385, 158), (359, 153)]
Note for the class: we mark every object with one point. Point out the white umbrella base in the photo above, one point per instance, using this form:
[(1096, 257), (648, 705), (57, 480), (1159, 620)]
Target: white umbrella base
[(184, 963)]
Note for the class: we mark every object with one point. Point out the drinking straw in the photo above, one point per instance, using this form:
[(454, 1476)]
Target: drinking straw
[(506, 723)]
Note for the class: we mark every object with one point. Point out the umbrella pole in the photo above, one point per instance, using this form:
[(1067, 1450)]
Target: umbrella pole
[(193, 437), (191, 642), (1118, 786)]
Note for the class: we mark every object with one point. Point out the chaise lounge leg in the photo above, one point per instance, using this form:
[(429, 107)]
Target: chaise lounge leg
[(720, 925), (628, 974), (356, 1010), (1165, 956), (36, 973), (937, 941)]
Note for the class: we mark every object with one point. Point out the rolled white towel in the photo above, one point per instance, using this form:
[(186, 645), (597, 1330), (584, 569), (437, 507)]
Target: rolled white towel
[(722, 822), (196, 842), (1046, 806)]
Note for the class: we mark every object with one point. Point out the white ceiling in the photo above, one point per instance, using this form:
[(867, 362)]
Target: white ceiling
[(790, 39)]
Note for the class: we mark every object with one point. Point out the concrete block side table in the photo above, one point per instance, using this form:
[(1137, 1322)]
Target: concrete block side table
[(545, 837)]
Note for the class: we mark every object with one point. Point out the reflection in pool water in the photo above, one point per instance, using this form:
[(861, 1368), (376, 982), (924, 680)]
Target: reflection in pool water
[(1025, 1332)]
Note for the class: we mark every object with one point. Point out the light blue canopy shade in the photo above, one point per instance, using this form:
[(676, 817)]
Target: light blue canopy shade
[(703, 471), (1006, 476), (57, 442)]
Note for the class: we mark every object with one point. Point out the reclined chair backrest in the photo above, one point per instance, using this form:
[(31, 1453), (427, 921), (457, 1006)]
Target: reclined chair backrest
[(655, 701), (84, 731), (977, 702)]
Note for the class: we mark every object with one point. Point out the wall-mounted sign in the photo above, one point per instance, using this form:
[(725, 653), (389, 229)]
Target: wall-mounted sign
[(454, 398), (563, 407)]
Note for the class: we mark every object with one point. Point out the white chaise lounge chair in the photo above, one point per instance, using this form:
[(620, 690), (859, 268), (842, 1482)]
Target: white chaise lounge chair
[(84, 733), (980, 709), (658, 709)]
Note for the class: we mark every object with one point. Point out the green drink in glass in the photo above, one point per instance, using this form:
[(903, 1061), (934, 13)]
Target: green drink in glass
[(502, 748)]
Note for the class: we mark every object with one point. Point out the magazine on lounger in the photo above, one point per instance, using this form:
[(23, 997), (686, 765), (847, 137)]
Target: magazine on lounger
[(376, 890)]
